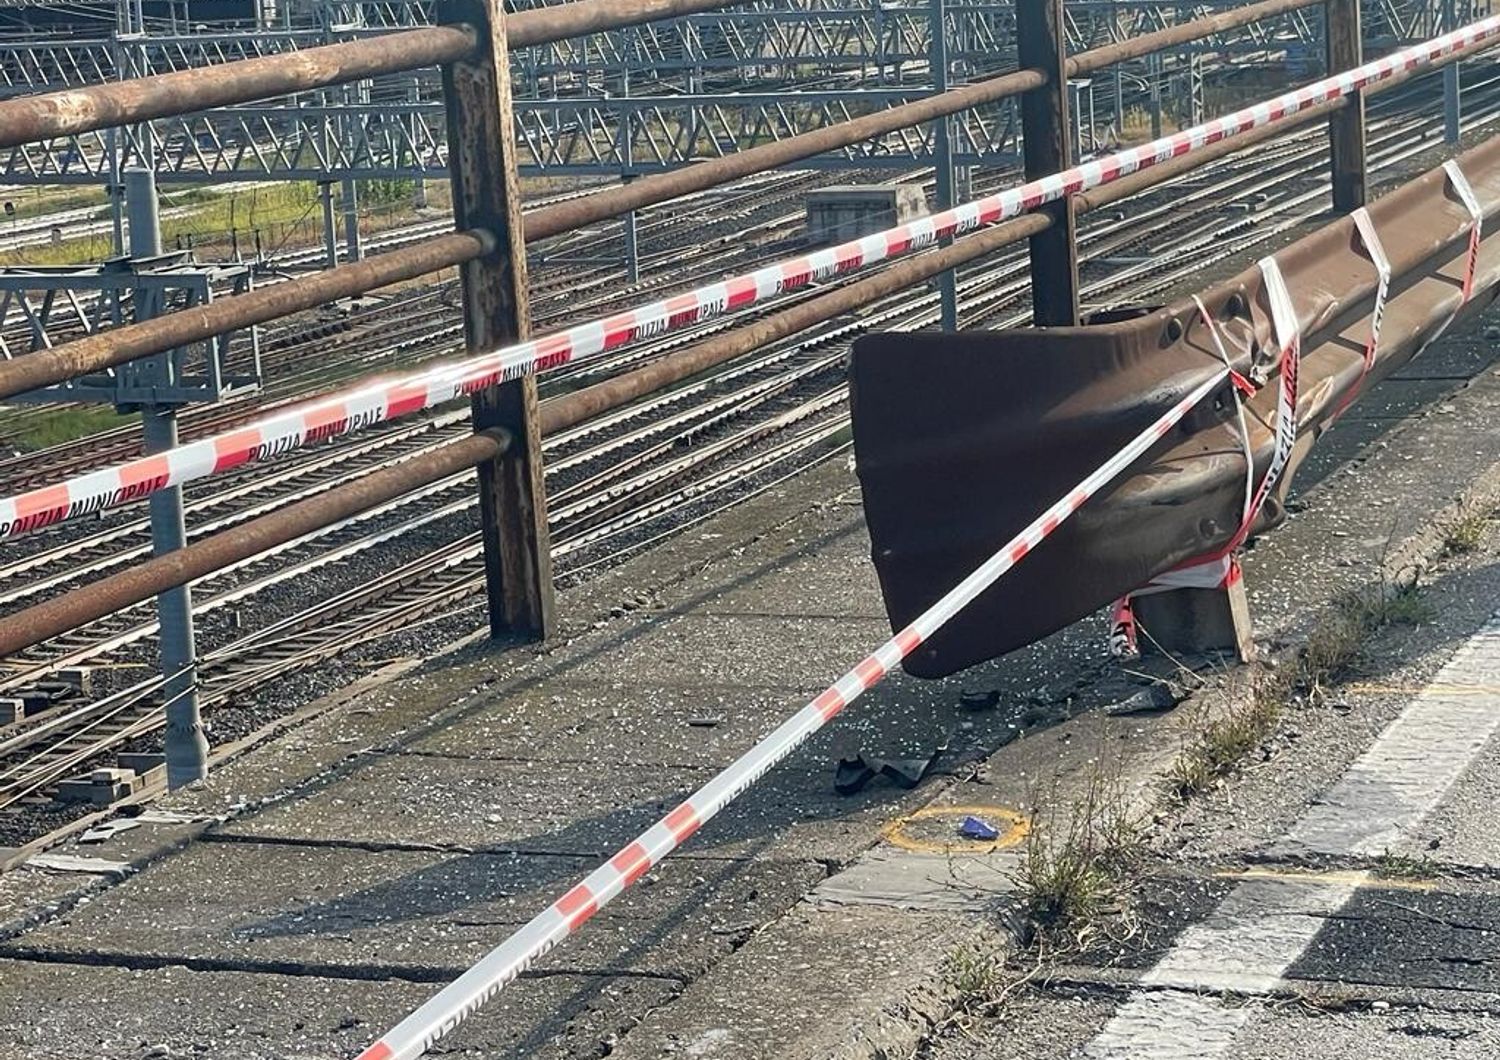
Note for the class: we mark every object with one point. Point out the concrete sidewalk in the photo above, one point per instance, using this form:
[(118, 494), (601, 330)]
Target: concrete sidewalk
[(321, 886)]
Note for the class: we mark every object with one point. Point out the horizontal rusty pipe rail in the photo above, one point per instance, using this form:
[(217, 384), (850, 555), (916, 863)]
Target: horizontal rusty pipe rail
[(1197, 29), (547, 25), (72, 111), (87, 604), (92, 602), (658, 188), (108, 349), (145, 580), (79, 110), (105, 349)]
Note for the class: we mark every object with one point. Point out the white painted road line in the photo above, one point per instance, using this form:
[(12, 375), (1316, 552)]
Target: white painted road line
[(1246, 945), (1403, 777)]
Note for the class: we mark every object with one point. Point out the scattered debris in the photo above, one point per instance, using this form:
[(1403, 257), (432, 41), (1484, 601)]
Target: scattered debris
[(108, 829), (986, 700), (972, 827), (1155, 699), (852, 774)]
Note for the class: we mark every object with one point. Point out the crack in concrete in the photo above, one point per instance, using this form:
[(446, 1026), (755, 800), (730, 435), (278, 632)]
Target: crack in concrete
[(302, 969)]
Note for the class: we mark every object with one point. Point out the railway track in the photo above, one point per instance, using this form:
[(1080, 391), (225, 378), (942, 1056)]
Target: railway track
[(614, 484)]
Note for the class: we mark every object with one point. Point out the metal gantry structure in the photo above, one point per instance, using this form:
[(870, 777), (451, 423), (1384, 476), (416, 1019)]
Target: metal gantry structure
[(638, 100), (485, 159)]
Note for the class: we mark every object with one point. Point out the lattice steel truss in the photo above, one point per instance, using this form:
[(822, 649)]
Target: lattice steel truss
[(628, 102)]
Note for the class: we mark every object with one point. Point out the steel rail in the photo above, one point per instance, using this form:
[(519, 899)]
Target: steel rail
[(120, 345), (89, 603), (360, 407), (70, 112)]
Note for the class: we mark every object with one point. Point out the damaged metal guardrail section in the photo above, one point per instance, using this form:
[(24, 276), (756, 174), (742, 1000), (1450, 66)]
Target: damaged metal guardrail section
[(962, 439)]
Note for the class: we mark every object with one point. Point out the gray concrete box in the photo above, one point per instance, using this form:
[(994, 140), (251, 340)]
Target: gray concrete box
[(838, 214)]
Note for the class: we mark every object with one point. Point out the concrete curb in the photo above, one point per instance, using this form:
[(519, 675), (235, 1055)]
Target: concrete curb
[(881, 1020)]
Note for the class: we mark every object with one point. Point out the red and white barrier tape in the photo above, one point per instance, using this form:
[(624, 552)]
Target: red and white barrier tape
[(1373, 247), (1220, 569), (377, 402), (1476, 214), (461, 998)]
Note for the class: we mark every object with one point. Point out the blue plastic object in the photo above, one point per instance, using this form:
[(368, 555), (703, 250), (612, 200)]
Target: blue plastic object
[(977, 828)]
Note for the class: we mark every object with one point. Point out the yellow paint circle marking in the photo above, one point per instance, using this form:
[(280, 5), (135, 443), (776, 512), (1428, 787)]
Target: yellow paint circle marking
[(1012, 825)]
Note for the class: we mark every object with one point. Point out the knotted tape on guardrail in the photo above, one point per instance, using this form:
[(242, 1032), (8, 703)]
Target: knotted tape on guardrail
[(1221, 568), (1382, 263), (1466, 195)]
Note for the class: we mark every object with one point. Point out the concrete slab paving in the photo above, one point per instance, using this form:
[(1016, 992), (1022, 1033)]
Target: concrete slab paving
[(812, 965), (1297, 1032), (53, 1011), (411, 914), (618, 723)]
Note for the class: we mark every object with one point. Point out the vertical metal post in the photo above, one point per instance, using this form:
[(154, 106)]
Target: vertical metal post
[(627, 160), (1119, 101), (330, 228), (419, 187), (349, 197), (1040, 39), (1346, 127), (482, 168), (186, 746), (942, 142), (1153, 80), (1452, 103), (1196, 92), (632, 245)]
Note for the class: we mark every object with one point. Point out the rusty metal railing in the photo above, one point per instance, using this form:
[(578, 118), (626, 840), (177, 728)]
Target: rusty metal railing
[(471, 46)]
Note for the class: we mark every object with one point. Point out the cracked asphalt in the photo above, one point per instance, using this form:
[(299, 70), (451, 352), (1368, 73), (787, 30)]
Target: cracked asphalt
[(1338, 896)]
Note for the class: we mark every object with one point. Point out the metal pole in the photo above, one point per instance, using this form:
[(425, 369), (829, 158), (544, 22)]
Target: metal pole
[(1040, 39), (632, 246), (1153, 76), (1346, 126), (943, 159), (1452, 101), (350, 198), (330, 227), (186, 746), (1119, 102), (482, 167)]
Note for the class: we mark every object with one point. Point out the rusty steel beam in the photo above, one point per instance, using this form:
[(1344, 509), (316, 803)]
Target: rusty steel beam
[(962, 440), (1197, 29), (1344, 42), (497, 313), (105, 349), (43, 621), (72, 111), (96, 353)]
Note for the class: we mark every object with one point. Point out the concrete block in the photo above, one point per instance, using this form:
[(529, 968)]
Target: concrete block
[(1196, 621), (838, 214)]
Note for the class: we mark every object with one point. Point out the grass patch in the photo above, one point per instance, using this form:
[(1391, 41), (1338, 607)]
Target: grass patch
[(1403, 867), (1389, 603), (1334, 648), (1466, 532), (1071, 882), (66, 424), (1229, 739), (974, 970), (33, 202)]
